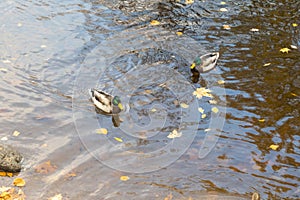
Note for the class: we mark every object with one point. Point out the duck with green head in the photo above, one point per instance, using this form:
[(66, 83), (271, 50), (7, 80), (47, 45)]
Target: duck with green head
[(205, 62), (106, 103)]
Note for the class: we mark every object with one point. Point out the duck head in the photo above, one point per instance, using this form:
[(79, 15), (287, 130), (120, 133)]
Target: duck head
[(117, 102)]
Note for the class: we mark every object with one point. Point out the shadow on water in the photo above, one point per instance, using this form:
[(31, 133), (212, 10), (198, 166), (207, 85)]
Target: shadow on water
[(45, 45)]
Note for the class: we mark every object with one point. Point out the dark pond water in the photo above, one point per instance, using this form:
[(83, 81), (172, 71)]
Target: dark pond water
[(53, 51)]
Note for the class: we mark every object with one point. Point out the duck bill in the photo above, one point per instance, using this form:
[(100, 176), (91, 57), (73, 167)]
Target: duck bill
[(193, 66), (120, 106)]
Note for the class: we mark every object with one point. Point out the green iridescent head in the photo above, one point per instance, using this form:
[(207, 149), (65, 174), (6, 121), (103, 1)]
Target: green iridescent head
[(196, 62), (117, 102)]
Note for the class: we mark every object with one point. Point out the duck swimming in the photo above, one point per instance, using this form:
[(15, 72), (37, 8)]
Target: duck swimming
[(205, 62), (106, 103)]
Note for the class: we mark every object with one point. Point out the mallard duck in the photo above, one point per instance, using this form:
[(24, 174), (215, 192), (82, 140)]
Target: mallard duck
[(106, 103), (205, 62)]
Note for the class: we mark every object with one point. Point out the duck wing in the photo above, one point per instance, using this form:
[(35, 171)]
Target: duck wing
[(101, 100), (209, 62)]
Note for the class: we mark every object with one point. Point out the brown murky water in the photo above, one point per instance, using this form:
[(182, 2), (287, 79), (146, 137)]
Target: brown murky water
[(50, 55)]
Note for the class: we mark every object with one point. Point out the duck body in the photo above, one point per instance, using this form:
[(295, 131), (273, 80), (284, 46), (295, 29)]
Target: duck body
[(105, 103), (205, 62)]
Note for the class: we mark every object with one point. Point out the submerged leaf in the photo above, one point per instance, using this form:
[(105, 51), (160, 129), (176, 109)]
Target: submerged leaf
[(179, 33), (154, 22), (45, 167), (220, 82), (56, 197), (189, 1), (226, 27), (212, 101), (101, 131), (183, 105), (254, 29)]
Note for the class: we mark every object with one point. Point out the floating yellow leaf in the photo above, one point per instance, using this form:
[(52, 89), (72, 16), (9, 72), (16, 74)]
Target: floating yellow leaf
[(16, 133), (3, 70), (200, 92), (215, 110), (101, 131), (169, 197), (179, 33), (294, 24), (43, 46), (184, 105), (6, 61), (226, 27), (4, 138), (153, 110), (56, 197), (9, 174), (223, 3), (206, 130), (174, 134), (261, 120), (267, 64), (19, 24), (124, 178), (223, 9), (284, 50), (203, 116), (2, 173), (295, 95), (189, 1), (154, 22), (254, 29), (294, 47), (201, 110), (220, 82), (274, 147), (212, 101), (6, 192), (118, 139), (19, 182)]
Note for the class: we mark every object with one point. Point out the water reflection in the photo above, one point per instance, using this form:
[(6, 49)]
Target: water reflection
[(43, 45)]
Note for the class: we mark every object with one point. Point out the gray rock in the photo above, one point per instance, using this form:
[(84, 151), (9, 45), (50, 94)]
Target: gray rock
[(10, 159)]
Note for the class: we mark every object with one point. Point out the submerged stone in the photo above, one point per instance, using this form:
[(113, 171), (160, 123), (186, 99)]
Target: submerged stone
[(10, 159)]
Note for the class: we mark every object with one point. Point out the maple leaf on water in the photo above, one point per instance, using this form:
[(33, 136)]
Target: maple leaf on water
[(284, 50), (200, 92), (174, 134)]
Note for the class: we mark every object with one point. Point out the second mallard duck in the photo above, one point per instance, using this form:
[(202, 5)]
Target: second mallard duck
[(205, 62), (106, 103)]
